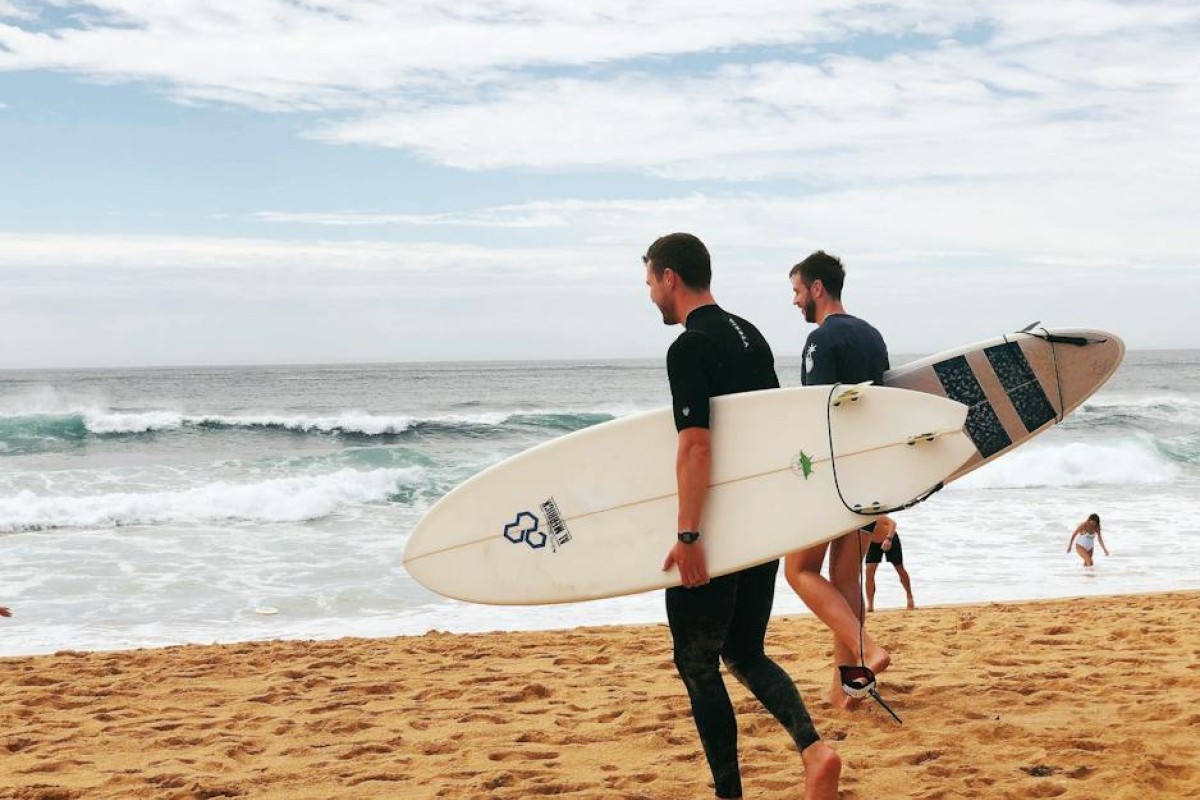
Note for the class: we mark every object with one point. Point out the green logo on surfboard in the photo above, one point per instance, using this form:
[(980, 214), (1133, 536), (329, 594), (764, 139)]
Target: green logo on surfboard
[(802, 465)]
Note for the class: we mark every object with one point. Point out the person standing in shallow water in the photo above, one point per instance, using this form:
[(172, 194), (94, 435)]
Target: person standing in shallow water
[(1085, 537), (723, 618), (885, 543)]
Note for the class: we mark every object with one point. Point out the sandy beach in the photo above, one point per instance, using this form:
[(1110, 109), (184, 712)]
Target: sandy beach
[(1075, 699)]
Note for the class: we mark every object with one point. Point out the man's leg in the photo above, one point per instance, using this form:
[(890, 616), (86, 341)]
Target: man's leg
[(871, 586), (906, 582), (845, 565), (829, 604), (699, 618), (747, 660)]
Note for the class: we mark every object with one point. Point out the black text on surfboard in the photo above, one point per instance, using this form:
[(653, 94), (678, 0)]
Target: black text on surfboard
[(558, 528)]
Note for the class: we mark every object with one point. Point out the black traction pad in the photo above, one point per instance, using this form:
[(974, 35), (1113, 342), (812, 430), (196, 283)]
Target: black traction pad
[(961, 385)]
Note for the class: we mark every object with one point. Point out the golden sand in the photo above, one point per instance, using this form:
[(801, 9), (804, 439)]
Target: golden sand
[(1085, 698)]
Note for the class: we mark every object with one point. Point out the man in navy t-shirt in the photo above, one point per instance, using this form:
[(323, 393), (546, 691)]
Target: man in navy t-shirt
[(842, 349)]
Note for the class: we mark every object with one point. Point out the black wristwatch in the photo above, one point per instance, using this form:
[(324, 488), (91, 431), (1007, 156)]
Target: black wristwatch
[(688, 537)]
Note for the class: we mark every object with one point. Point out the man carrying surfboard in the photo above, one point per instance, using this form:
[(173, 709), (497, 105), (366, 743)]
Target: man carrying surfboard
[(723, 618), (843, 349)]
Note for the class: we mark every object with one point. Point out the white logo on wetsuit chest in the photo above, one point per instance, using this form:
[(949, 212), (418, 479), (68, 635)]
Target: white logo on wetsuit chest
[(686, 410)]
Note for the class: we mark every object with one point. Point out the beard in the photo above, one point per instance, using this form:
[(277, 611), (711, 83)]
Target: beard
[(810, 311), (668, 316)]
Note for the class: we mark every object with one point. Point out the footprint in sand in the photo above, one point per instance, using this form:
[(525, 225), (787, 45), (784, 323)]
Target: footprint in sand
[(522, 755), (534, 691)]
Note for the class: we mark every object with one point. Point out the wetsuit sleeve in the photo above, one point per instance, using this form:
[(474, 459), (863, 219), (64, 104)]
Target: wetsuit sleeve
[(820, 360), (689, 382)]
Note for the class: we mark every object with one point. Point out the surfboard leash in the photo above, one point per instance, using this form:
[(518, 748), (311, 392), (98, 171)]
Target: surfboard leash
[(1057, 378), (859, 681), (864, 512), (1052, 339)]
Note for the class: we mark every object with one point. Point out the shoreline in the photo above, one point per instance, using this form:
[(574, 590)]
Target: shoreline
[(1076, 698), (778, 615)]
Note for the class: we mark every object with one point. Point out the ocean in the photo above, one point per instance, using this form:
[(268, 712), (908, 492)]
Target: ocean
[(149, 507)]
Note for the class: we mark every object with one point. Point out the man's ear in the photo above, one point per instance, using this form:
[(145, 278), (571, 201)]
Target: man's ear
[(816, 288)]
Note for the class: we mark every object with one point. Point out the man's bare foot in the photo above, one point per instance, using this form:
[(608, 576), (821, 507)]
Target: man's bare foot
[(870, 609), (878, 659), (911, 604), (838, 698), (822, 769)]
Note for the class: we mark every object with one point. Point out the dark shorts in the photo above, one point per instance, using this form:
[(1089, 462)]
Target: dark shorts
[(894, 554)]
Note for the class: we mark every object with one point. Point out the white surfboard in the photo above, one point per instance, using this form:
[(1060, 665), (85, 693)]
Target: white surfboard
[(592, 514), (1016, 385)]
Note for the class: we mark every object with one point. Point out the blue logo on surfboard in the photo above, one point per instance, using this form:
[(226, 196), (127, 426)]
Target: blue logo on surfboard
[(526, 528)]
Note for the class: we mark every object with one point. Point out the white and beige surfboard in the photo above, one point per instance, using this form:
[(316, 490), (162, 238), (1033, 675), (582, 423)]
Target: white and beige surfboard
[(1017, 385), (592, 514)]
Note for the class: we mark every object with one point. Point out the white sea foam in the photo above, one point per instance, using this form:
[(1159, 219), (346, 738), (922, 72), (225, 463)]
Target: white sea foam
[(1174, 408), (100, 422), (279, 500), (345, 421), (1120, 462)]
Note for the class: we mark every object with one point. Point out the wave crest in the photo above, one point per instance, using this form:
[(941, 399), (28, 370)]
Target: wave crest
[(293, 499), (1137, 461)]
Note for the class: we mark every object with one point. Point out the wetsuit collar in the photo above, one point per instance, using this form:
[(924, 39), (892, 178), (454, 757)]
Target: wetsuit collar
[(687, 323)]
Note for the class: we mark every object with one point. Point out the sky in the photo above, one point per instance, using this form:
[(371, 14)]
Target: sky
[(284, 181)]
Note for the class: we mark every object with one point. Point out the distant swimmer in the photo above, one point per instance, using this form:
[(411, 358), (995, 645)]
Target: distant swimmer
[(1085, 537)]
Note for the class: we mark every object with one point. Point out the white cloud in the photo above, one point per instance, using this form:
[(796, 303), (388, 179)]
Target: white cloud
[(214, 300), (939, 113), (1019, 220), (1033, 88), (532, 215), (275, 259), (15, 10)]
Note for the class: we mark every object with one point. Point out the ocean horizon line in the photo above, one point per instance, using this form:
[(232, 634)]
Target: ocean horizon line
[(456, 363)]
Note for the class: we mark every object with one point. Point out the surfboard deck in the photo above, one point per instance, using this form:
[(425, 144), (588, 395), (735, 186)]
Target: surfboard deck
[(1016, 385), (593, 514)]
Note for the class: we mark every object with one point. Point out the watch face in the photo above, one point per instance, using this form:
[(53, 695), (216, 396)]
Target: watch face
[(687, 537)]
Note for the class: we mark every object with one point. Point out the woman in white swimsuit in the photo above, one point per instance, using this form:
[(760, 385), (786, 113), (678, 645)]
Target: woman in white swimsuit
[(1085, 537)]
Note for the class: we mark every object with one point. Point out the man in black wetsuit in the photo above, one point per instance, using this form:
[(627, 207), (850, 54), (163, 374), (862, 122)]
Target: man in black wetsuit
[(725, 617), (842, 349)]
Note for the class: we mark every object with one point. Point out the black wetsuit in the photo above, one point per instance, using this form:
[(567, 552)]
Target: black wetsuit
[(726, 618)]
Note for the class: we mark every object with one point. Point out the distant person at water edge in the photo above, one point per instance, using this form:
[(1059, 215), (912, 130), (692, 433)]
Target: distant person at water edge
[(4, 612), (842, 349), (1085, 537), (885, 543), (722, 618)]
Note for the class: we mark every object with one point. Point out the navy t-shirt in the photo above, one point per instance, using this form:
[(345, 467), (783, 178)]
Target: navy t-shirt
[(843, 349), (717, 354)]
